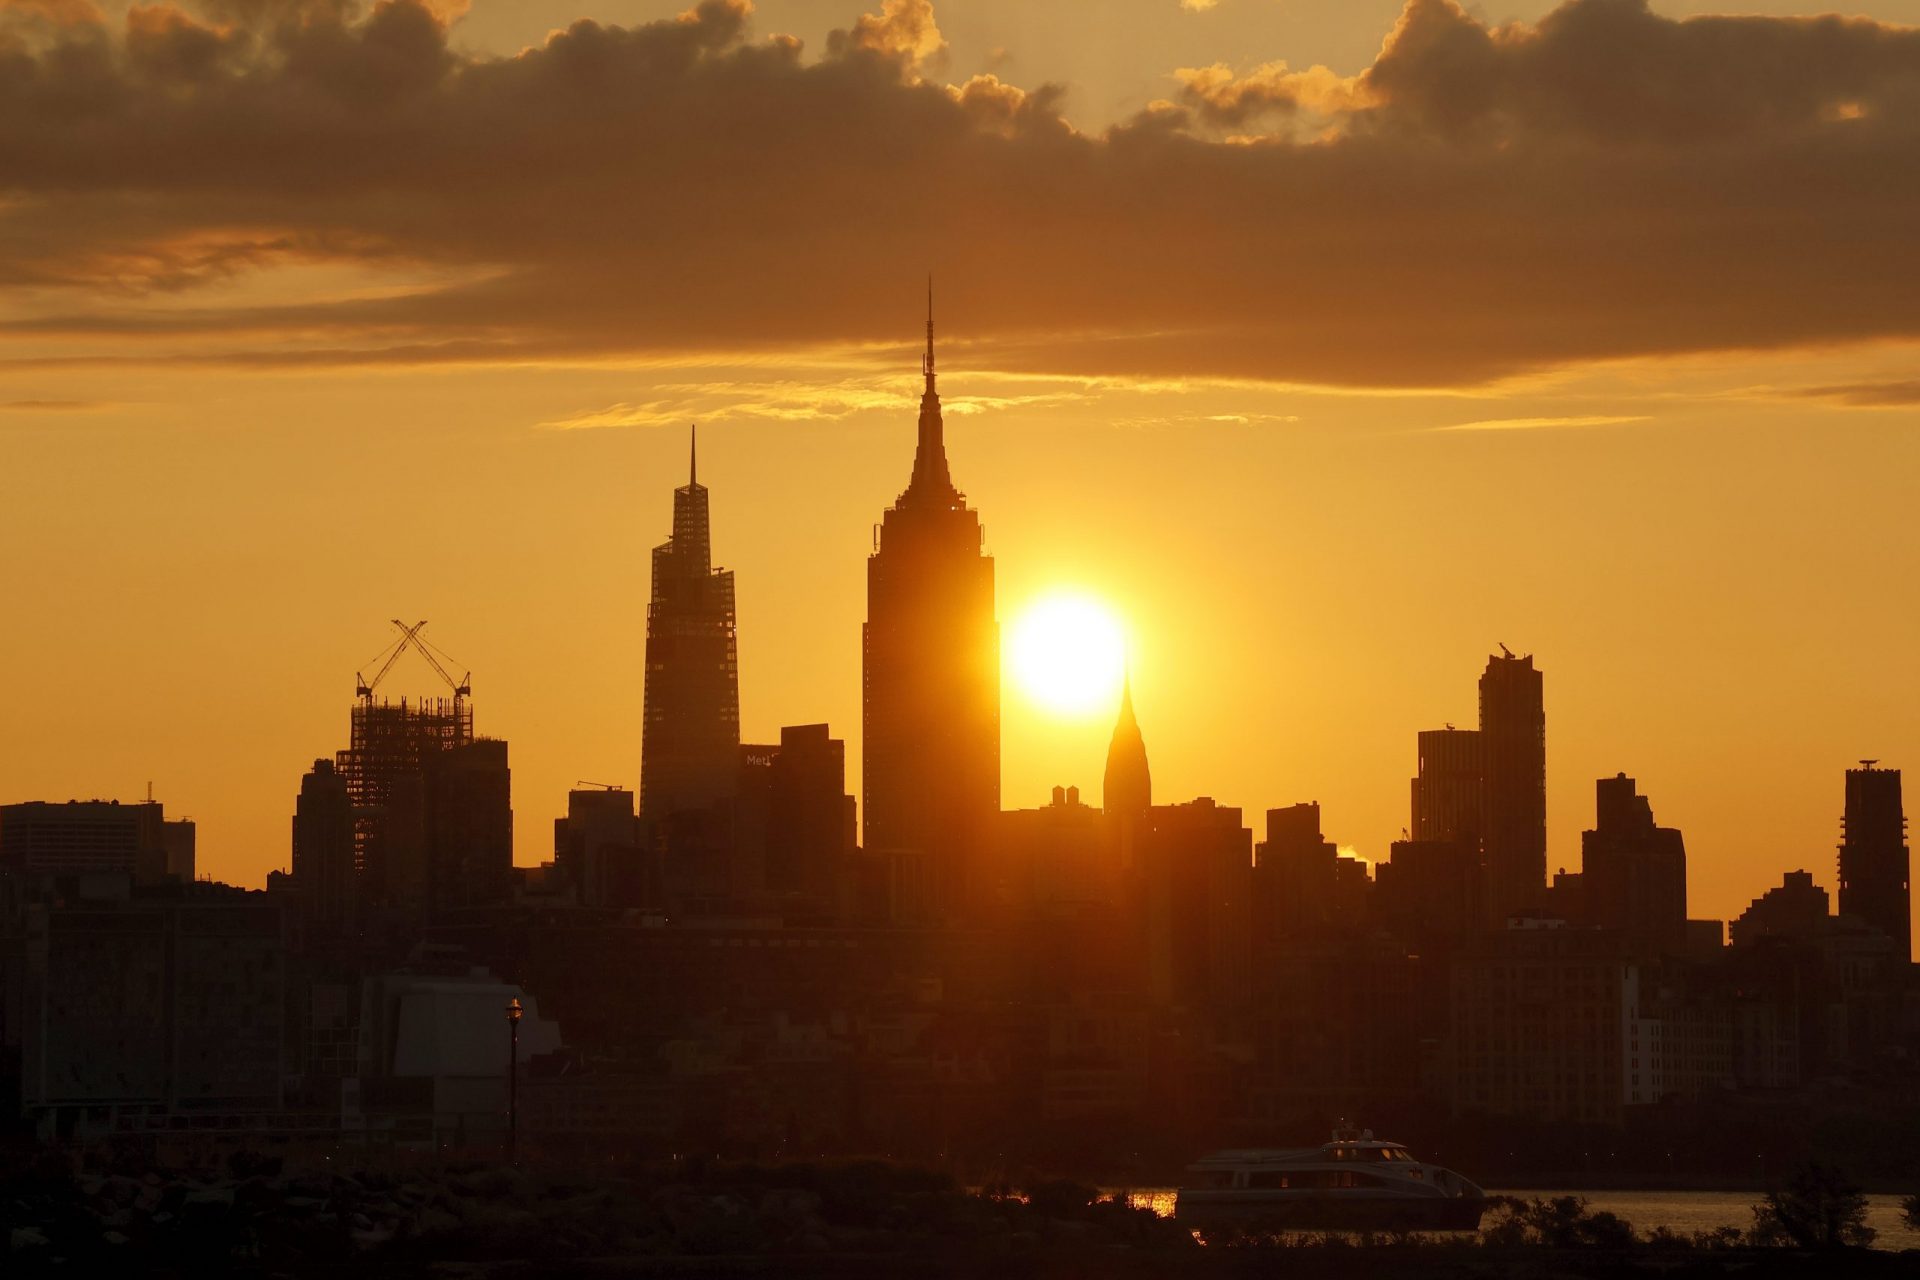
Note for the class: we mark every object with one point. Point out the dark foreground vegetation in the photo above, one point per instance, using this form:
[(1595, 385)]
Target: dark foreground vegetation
[(255, 1216)]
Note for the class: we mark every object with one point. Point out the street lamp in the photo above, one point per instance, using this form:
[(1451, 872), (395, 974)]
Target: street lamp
[(513, 1080)]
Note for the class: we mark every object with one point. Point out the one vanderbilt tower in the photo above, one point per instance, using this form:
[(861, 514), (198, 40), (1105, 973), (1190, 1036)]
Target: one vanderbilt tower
[(690, 739), (931, 752)]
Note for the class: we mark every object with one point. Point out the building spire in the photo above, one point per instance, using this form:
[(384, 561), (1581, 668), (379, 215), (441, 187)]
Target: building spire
[(690, 547), (926, 361), (931, 479)]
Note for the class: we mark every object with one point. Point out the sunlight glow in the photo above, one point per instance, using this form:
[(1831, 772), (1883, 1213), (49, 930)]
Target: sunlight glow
[(1067, 653)]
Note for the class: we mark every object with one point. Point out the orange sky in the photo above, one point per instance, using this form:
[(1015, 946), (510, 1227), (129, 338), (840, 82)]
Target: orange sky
[(1593, 335)]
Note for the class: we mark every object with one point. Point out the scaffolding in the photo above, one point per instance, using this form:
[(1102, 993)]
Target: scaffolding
[(389, 746), (391, 740)]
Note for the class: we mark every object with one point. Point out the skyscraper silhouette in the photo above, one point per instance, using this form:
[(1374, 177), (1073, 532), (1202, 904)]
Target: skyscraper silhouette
[(1449, 788), (323, 832), (1513, 812), (467, 815), (1634, 871), (691, 733), (931, 710), (1126, 792), (1874, 881)]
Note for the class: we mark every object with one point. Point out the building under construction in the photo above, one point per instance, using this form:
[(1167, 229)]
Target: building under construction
[(406, 762)]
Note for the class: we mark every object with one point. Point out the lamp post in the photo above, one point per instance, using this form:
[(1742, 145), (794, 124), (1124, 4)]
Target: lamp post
[(513, 1080)]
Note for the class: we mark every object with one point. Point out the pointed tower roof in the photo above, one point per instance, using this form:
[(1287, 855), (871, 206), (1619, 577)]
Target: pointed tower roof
[(1128, 785), (689, 552), (931, 482)]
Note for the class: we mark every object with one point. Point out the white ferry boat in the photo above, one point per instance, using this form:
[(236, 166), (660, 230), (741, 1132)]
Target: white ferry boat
[(1353, 1183)]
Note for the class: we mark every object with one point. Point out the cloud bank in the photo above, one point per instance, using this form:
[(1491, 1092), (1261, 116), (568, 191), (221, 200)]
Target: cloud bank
[(1480, 202)]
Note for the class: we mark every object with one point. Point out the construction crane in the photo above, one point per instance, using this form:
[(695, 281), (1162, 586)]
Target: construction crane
[(410, 638), (461, 687), (604, 786), (363, 687)]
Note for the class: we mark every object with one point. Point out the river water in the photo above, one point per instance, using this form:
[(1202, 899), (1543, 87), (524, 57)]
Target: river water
[(1684, 1212)]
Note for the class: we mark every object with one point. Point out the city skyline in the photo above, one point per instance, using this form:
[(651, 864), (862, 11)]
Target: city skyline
[(1378, 603), (1702, 546), (930, 481)]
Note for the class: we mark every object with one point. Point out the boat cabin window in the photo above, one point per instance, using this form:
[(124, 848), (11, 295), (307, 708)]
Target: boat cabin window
[(1214, 1179), (1367, 1153), (1314, 1179)]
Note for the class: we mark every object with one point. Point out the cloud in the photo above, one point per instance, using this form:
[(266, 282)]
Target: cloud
[(1871, 395), (53, 406), (1480, 202), (676, 404), (1270, 91), (903, 30), (1537, 424), (822, 399)]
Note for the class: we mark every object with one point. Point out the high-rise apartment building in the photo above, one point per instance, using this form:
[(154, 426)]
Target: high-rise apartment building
[(1199, 911), (809, 835), (1633, 872), (468, 825), (1874, 884), (1448, 791), (323, 848), (931, 759), (1306, 892), (691, 736), (1513, 738)]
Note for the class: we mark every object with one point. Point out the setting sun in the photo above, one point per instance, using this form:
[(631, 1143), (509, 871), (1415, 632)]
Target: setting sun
[(1067, 653)]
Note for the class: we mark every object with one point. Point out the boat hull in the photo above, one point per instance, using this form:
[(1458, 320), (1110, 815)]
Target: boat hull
[(1326, 1211)]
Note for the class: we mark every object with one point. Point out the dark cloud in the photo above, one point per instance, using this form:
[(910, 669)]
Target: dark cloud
[(1611, 71), (1479, 202)]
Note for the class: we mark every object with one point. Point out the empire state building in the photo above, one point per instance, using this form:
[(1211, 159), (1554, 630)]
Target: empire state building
[(932, 684)]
